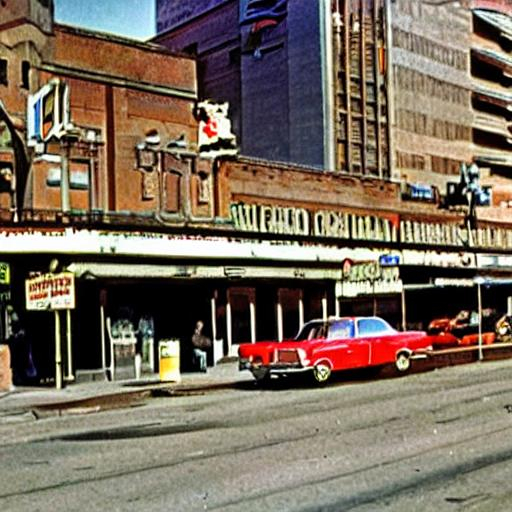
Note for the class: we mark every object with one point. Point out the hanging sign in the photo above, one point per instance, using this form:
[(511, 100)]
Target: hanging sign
[(5, 273), (369, 278), (50, 292)]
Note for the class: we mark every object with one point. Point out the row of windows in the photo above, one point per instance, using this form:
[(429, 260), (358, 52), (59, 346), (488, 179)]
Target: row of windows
[(455, 19), (420, 45), (410, 161), (418, 162), (25, 73), (438, 128), (420, 83), (443, 165)]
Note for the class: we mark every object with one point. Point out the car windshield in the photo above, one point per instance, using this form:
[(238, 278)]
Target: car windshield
[(311, 330), (334, 329)]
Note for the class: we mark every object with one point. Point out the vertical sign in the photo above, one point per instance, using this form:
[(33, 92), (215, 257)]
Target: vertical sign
[(5, 273)]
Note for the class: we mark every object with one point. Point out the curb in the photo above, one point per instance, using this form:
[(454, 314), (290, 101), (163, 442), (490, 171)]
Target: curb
[(121, 399)]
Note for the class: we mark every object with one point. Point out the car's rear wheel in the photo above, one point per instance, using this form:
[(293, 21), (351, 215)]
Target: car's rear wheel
[(321, 373), (403, 362)]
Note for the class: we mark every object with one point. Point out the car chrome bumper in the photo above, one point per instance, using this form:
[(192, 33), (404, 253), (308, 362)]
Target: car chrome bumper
[(283, 370)]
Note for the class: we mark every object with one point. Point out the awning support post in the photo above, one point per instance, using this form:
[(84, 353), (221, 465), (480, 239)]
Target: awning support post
[(404, 311), (479, 292)]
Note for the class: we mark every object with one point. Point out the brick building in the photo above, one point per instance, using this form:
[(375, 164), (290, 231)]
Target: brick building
[(149, 227)]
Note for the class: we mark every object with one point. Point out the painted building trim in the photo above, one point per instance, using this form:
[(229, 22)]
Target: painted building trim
[(106, 79)]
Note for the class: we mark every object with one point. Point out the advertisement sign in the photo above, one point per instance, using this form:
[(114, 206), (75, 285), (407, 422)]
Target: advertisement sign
[(5, 273), (368, 278), (215, 137), (50, 292), (47, 112)]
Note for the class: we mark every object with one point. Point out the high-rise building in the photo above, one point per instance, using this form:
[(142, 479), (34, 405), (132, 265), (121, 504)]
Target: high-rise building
[(491, 70), (387, 89)]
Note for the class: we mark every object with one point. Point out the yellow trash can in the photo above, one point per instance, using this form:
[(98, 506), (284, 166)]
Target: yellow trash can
[(169, 360)]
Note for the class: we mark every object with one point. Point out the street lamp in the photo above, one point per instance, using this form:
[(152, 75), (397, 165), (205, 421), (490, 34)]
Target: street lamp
[(479, 281)]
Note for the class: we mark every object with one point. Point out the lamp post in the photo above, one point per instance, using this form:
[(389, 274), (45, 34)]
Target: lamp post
[(479, 281)]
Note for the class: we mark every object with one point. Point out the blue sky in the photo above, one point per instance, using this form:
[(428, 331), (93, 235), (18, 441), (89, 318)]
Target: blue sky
[(130, 18)]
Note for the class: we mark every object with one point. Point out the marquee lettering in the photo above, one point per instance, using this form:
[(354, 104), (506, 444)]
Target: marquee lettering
[(296, 221)]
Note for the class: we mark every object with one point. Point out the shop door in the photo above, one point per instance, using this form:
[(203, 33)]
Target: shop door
[(290, 302), (241, 302)]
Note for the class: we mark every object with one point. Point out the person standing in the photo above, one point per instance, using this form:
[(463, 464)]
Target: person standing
[(200, 344), (22, 363)]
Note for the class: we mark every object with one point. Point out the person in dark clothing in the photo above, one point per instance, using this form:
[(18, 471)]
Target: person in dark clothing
[(200, 344), (22, 363)]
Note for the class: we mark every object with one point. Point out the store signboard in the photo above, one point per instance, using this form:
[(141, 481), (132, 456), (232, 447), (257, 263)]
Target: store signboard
[(367, 278), (50, 292), (5, 273)]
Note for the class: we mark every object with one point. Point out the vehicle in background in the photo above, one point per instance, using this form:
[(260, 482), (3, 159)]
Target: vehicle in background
[(504, 329), (463, 328), (325, 346)]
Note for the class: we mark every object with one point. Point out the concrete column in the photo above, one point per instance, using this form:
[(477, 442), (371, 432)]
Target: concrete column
[(252, 311), (64, 177), (480, 351), (404, 311), (279, 321), (229, 331), (213, 307), (102, 340)]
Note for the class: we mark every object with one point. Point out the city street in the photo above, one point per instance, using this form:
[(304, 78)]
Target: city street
[(435, 440)]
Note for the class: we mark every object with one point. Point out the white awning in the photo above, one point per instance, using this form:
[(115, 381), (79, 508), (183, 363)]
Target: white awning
[(87, 270)]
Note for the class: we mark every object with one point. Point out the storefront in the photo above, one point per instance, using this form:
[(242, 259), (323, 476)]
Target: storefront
[(245, 288)]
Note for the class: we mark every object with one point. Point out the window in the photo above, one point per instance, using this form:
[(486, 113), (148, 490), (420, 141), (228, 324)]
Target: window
[(309, 331), (3, 72), (235, 56), (25, 74), (191, 49), (373, 327), (341, 329)]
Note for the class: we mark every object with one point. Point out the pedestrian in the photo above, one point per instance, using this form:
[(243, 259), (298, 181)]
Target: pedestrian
[(200, 344), (144, 345), (22, 362)]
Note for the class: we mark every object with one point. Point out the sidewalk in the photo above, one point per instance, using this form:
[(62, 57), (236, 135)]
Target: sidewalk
[(102, 394)]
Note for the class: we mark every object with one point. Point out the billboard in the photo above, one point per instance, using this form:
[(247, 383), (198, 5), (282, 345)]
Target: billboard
[(50, 292)]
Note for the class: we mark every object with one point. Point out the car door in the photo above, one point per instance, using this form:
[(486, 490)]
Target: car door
[(376, 335), (354, 351)]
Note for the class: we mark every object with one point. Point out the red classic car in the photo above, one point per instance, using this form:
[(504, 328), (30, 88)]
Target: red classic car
[(322, 347)]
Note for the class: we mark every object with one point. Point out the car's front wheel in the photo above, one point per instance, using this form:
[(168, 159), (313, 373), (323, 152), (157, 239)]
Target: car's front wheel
[(321, 373), (403, 362)]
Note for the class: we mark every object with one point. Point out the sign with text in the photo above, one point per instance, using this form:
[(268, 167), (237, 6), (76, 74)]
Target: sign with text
[(369, 278), (322, 223), (5, 273), (50, 292)]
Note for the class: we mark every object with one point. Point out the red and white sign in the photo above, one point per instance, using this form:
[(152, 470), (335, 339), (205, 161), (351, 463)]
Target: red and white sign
[(50, 292), (215, 137)]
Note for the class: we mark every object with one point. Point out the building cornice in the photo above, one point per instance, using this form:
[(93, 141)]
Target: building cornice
[(117, 81)]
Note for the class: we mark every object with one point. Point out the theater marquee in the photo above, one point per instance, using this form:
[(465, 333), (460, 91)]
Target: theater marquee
[(322, 223)]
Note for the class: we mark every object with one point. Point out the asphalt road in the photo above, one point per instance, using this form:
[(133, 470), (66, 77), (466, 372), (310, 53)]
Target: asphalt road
[(437, 440)]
